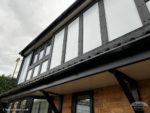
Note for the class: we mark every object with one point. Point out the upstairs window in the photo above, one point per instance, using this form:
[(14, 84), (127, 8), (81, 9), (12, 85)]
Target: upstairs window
[(36, 71), (41, 54), (35, 58), (48, 48), (24, 68)]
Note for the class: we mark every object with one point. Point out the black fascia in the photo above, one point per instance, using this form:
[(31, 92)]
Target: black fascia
[(66, 13)]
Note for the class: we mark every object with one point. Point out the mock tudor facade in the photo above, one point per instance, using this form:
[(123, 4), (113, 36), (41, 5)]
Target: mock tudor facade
[(94, 58)]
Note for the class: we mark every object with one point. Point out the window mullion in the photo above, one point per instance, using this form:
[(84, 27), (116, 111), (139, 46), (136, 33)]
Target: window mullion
[(103, 24)]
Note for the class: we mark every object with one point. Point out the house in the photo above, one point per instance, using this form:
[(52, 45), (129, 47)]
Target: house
[(94, 58)]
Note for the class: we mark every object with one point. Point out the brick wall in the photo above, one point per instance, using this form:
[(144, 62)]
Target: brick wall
[(112, 99)]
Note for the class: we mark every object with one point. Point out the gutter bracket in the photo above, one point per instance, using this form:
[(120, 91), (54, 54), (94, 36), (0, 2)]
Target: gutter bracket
[(130, 88)]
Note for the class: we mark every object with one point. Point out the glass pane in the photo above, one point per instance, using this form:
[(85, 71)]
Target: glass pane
[(48, 50), (122, 17), (44, 107), (72, 40), (15, 107), (23, 106), (35, 58), (29, 74), (83, 104), (44, 66), (148, 5), (9, 108), (24, 69), (36, 70), (91, 29), (35, 107), (41, 54), (57, 49)]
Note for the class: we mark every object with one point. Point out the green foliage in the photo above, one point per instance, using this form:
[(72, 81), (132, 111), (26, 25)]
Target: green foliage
[(6, 83)]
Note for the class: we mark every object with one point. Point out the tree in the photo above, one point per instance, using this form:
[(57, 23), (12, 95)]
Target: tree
[(6, 83)]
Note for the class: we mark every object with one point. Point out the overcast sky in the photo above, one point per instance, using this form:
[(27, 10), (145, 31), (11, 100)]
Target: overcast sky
[(20, 22)]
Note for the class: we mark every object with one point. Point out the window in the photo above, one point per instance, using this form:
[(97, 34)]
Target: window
[(148, 5), (41, 54), (29, 74), (24, 69), (91, 29), (122, 17), (48, 48), (44, 66), (57, 49), (15, 107), (82, 103), (35, 58), (23, 106), (36, 70), (40, 106), (9, 108), (72, 40)]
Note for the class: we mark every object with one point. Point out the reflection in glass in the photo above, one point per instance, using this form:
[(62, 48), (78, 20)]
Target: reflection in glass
[(83, 104), (91, 29), (122, 17), (36, 70)]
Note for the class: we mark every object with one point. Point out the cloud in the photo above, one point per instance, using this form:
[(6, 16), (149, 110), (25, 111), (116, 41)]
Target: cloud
[(21, 21)]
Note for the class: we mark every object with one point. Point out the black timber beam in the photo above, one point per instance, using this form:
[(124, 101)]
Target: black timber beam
[(130, 88), (50, 100)]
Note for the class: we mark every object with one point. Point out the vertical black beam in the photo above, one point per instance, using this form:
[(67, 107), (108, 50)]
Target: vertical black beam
[(64, 45), (103, 24), (50, 100), (51, 52), (130, 88), (80, 43), (143, 11)]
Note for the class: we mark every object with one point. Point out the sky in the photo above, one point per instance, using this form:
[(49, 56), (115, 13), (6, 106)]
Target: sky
[(20, 22)]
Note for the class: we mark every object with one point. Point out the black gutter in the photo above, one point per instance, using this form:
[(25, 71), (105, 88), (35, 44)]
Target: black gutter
[(66, 13)]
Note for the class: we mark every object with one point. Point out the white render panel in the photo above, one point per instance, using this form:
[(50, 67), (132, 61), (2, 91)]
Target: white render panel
[(122, 17), (91, 29), (57, 49), (72, 40), (24, 69)]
